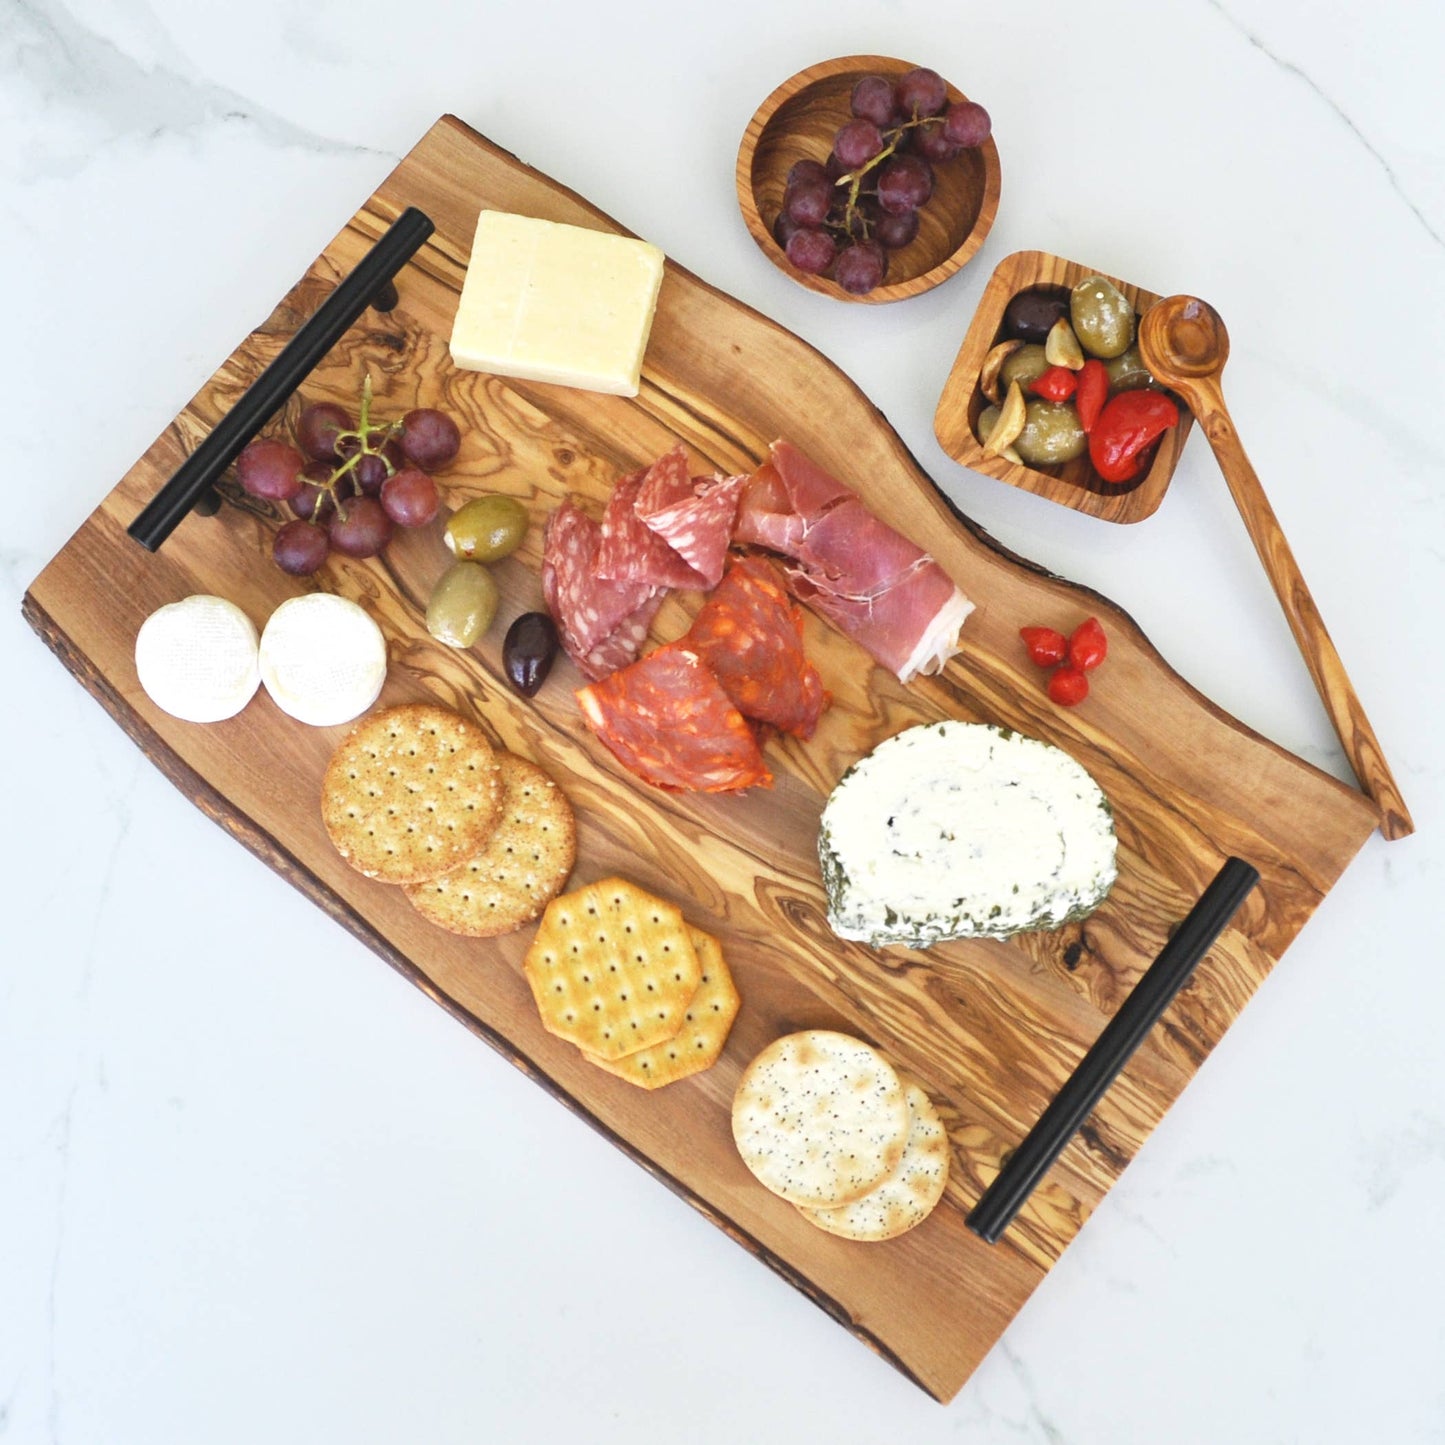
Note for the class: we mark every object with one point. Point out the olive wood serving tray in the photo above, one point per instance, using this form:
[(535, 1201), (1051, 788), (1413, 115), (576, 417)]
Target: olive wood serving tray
[(1076, 484), (991, 1029)]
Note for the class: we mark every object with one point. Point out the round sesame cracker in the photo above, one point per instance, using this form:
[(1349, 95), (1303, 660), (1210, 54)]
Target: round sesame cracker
[(820, 1118), (410, 793), (907, 1197), (519, 869)]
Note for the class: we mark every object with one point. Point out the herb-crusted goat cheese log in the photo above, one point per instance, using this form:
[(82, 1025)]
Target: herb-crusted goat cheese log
[(961, 830)]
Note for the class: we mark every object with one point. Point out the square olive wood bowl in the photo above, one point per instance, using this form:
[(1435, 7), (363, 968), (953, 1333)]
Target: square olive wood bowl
[(1076, 484)]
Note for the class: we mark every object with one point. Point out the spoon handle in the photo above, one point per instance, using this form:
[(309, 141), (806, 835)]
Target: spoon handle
[(1357, 737)]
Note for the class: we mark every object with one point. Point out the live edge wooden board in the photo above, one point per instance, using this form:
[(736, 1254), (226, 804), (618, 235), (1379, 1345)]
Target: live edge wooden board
[(990, 1029)]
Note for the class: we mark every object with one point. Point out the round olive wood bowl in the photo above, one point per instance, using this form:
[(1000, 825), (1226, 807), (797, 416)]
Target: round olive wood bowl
[(800, 118)]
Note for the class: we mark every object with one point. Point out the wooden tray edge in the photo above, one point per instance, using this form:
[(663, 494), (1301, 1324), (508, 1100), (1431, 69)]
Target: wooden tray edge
[(282, 862)]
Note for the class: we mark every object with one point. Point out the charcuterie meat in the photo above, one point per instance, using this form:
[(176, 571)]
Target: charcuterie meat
[(587, 608), (750, 634), (631, 551), (621, 645), (875, 585), (693, 515), (667, 720)]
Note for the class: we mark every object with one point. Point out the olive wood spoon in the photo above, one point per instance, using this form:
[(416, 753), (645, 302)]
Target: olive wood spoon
[(1183, 342)]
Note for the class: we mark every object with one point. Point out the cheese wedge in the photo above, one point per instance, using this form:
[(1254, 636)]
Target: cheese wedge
[(547, 302)]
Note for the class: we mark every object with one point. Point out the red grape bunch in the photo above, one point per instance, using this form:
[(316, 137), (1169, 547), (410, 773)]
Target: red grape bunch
[(848, 214), (349, 484)]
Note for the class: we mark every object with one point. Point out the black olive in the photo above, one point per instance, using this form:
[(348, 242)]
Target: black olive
[(528, 650), (1032, 313)]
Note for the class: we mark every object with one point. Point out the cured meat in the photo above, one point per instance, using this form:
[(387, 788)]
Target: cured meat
[(870, 581), (667, 720), (693, 515), (620, 646), (632, 551), (586, 608), (751, 636)]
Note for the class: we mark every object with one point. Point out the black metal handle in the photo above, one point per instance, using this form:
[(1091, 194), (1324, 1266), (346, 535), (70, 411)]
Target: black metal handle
[(1121, 1036), (368, 283)]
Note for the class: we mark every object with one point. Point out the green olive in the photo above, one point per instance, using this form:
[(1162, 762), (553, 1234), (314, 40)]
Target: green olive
[(462, 604), (1051, 434), (487, 529), (1103, 317), (1127, 372), (1027, 364), (987, 420)]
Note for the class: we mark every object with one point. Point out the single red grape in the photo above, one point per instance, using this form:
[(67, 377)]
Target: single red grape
[(857, 143), (270, 469), (807, 201), (810, 250), (806, 170), (317, 426), (429, 439), (410, 498), (904, 184), (968, 124), (922, 92), (932, 144), (895, 232), (300, 548), (364, 529), (873, 99), (783, 229), (860, 267)]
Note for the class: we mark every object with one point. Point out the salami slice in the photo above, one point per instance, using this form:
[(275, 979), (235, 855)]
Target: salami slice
[(668, 721), (750, 634), (693, 515), (586, 608), (620, 646), (631, 551)]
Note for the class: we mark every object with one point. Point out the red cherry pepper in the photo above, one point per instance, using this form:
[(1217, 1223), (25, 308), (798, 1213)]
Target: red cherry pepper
[(1056, 384), (1088, 646), (1093, 392), (1046, 647), (1130, 423), (1068, 687)]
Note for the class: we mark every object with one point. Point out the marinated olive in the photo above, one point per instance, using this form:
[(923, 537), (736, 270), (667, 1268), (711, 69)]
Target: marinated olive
[(1051, 434), (1127, 371), (487, 529), (462, 604), (1032, 313), (987, 420), (1027, 364), (528, 650), (1103, 317)]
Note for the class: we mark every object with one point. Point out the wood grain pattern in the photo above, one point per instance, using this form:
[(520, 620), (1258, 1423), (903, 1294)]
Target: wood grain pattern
[(1185, 344), (1075, 484), (990, 1029), (799, 120)]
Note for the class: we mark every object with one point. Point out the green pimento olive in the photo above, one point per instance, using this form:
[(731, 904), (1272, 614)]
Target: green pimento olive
[(987, 420), (1103, 317), (462, 604), (1051, 434), (487, 529), (1127, 372), (1027, 364)]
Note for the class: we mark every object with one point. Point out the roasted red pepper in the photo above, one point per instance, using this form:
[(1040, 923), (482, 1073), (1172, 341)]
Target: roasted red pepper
[(1046, 647), (1056, 384), (1093, 392), (1088, 646), (1131, 423)]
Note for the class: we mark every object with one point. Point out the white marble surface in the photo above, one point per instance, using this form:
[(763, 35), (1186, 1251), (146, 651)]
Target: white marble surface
[(253, 1186)]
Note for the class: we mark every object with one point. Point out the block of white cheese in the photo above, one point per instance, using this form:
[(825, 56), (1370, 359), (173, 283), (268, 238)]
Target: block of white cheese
[(196, 659), (323, 660), (961, 830), (547, 302)]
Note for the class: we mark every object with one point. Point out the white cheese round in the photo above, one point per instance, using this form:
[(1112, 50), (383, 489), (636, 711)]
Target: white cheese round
[(323, 660), (196, 659), (960, 830)]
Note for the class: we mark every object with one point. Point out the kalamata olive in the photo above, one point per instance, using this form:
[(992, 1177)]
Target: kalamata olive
[(1027, 364), (487, 529), (462, 604), (1127, 371), (1102, 316), (1051, 434), (528, 650), (1031, 314)]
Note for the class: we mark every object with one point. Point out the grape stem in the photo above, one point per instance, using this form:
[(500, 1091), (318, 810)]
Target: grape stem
[(363, 434), (854, 179)]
